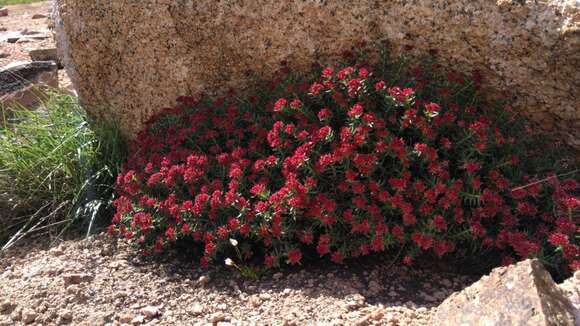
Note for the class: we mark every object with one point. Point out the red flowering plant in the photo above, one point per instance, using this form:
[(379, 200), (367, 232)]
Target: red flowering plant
[(356, 160)]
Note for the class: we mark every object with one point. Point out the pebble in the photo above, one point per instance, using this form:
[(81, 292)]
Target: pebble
[(197, 309), (446, 283), (71, 279), (138, 320), (150, 311), (6, 307), (28, 316), (377, 315), (255, 301), (217, 317), (277, 276), (125, 318), (203, 280), (66, 315)]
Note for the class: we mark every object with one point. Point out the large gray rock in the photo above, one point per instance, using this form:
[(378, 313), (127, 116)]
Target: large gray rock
[(130, 59), (572, 289), (521, 294)]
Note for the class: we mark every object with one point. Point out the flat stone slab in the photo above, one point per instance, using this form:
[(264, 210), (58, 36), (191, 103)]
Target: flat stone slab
[(24, 83), (43, 54)]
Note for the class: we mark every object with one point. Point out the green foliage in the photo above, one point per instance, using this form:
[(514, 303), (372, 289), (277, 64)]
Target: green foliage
[(56, 169)]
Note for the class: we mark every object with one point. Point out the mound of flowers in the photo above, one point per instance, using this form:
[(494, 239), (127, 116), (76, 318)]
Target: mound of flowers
[(353, 160)]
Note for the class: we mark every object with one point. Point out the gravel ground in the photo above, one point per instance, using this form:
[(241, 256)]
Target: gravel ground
[(100, 282)]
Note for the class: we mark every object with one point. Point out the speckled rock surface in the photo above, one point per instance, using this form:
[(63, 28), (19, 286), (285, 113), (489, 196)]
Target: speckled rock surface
[(129, 59), (572, 288), (521, 294)]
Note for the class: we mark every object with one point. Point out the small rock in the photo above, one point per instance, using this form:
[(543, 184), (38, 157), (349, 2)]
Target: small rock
[(28, 316), (16, 314), (255, 301), (421, 310), (66, 315), (446, 283), (3, 12), (26, 31), (125, 318), (43, 54), (374, 286), (363, 321), (150, 311), (277, 276), (39, 16), (203, 280), (390, 317), (57, 251), (6, 307), (217, 317), (13, 38), (377, 315), (71, 279), (138, 320), (265, 296), (106, 251), (197, 309)]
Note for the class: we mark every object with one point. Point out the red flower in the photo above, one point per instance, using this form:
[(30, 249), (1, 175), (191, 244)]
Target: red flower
[(571, 202), (558, 239), (316, 88), (324, 114), (471, 167), (294, 256), (356, 111), (327, 72), (295, 104), (336, 257), (280, 104), (439, 223)]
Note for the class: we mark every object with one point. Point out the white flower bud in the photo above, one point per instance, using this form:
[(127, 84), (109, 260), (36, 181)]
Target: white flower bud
[(234, 242), (229, 262)]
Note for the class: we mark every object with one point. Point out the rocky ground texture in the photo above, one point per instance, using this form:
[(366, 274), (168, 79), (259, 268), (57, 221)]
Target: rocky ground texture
[(26, 28), (101, 282)]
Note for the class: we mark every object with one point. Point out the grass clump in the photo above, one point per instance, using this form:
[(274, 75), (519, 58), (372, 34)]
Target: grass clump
[(56, 170)]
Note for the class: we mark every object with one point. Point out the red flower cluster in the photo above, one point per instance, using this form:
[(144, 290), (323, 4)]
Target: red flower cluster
[(346, 164)]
